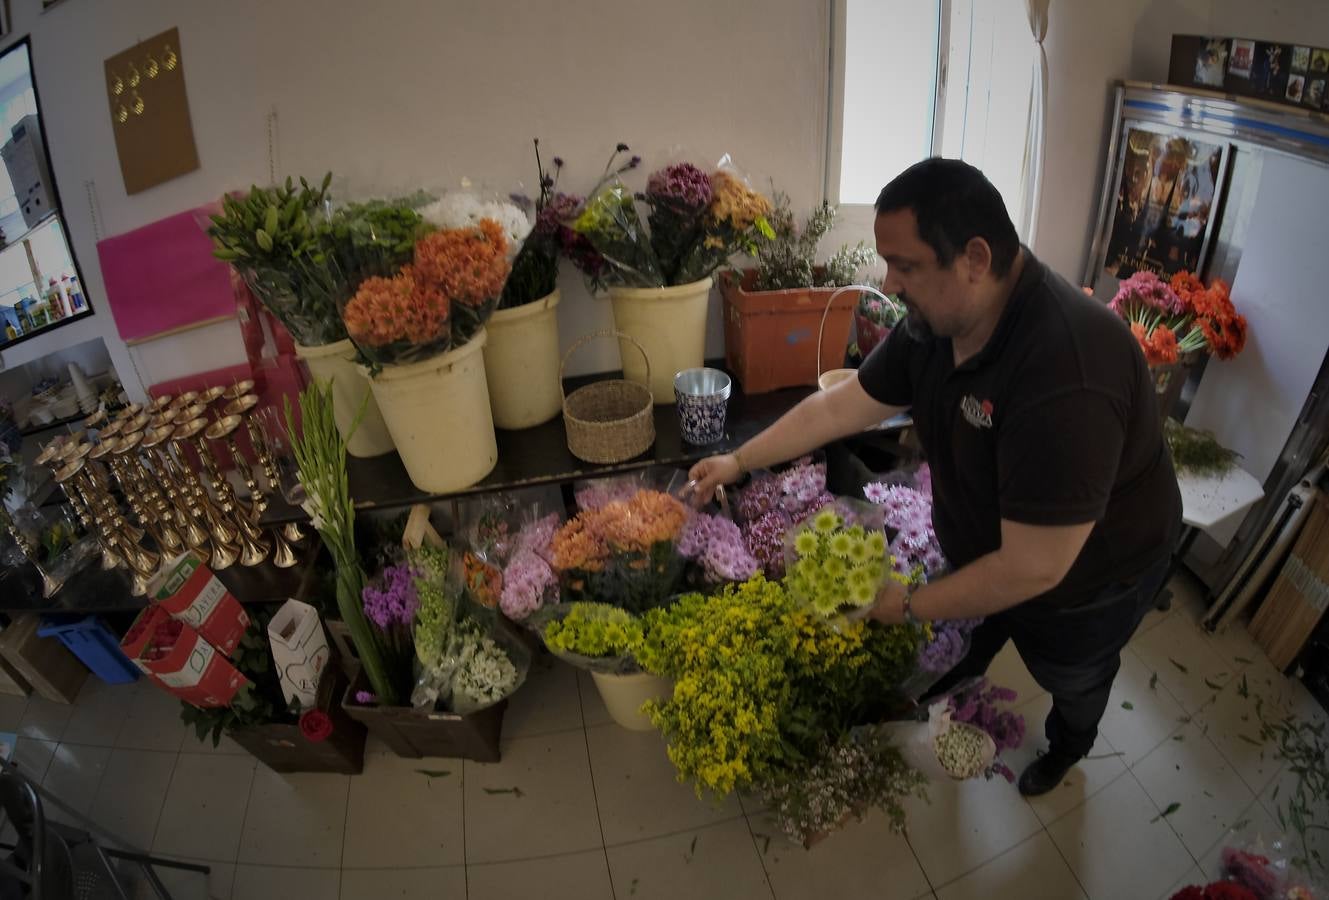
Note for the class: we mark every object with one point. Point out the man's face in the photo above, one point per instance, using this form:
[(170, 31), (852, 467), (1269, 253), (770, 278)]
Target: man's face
[(937, 297)]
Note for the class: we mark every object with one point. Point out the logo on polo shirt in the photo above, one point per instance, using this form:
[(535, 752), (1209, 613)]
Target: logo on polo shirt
[(977, 413)]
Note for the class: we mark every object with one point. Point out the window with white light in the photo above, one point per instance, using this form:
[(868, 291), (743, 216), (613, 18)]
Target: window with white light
[(920, 78)]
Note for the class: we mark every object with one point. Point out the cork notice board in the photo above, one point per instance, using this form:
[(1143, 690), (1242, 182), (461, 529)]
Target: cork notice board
[(145, 87)]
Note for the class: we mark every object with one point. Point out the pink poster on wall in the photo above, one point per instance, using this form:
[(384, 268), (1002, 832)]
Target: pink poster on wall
[(163, 276)]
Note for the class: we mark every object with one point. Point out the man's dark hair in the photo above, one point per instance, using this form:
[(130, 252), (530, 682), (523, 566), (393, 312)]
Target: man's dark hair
[(953, 203)]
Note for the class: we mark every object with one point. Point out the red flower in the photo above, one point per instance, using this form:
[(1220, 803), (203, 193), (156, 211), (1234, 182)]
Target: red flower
[(1226, 890), (315, 725), (1189, 893)]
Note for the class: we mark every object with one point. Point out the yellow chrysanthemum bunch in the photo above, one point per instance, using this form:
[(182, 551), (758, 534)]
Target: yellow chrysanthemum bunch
[(837, 565), (757, 677)]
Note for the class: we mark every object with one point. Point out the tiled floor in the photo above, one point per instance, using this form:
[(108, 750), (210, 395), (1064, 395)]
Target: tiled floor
[(599, 814)]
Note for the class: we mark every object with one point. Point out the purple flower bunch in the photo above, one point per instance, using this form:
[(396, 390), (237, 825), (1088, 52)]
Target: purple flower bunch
[(682, 184), (978, 705), (392, 601), (552, 224), (909, 515), (717, 544), (528, 580), (948, 645), (770, 505)]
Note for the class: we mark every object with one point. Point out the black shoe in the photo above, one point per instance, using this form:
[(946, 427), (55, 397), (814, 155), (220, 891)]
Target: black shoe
[(1045, 773)]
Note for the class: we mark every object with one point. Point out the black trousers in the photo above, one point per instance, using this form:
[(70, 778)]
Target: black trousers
[(1073, 652)]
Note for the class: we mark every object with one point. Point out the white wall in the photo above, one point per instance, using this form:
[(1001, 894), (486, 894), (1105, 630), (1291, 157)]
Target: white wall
[(415, 91), (1089, 45)]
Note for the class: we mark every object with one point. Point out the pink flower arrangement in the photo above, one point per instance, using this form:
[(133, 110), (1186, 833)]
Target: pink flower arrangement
[(528, 580), (771, 503), (909, 516), (717, 544), (1145, 289)]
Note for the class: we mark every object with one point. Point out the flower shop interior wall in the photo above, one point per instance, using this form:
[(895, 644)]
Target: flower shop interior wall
[(429, 93)]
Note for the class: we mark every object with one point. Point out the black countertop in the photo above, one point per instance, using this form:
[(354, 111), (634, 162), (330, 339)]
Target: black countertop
[(540, 455)]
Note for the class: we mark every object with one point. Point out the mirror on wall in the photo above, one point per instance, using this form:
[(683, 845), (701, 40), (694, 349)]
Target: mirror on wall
[(40, 284)]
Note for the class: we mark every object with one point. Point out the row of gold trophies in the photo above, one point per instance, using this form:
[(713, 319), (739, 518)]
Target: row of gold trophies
[(143, 451)]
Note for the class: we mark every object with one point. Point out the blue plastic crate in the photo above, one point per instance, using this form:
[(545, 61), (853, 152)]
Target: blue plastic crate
[(88, 638)]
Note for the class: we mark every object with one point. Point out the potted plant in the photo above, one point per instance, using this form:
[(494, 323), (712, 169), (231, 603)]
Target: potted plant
[(453, 663), (774, 312), (421, 330), (660, 277), (279, 242)]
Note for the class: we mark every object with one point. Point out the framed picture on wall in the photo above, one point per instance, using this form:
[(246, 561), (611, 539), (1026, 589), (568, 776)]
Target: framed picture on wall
[(1168, 190)]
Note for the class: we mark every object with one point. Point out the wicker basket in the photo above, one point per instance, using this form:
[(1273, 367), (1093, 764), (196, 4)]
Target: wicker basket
[(608, 421)]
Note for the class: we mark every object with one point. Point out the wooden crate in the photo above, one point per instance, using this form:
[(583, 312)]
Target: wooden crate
[(44, 663), (1297, 601)]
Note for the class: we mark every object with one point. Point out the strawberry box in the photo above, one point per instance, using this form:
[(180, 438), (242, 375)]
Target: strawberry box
[(179, 660), (190, 592)]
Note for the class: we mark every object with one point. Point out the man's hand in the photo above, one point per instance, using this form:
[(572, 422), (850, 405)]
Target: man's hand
[(889, 608), (712, 472)]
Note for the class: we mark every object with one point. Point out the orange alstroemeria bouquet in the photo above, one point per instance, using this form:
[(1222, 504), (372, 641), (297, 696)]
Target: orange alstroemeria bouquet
[(444, 295), (1172, 318)]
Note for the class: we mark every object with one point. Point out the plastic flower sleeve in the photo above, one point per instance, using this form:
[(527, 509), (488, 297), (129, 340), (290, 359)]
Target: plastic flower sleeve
[(609, 220), (490, 665), (836, 558), (529, 579), (1269, 864), (735, 221)]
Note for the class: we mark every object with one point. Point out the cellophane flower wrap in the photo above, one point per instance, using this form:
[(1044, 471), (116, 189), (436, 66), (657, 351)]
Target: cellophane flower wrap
[(466, 660), (766, 691), (677, 197), (623, 552), (442, 297), (390, 604), (735, 221), (770, 503), (493, 530), (597, 637), (837, 558), (529, 579), (272, 238), (695, 220)]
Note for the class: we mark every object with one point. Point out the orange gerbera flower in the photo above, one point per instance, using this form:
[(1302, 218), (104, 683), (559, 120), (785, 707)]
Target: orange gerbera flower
[(1161, 348)]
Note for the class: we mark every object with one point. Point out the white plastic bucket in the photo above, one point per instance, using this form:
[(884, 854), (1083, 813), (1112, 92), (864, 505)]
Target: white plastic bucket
[(336, 363), (624, 696), (438, 414), (521, 364)]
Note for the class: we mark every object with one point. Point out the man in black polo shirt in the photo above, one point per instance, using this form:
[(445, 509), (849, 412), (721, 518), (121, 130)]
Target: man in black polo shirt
[(1054, 495)]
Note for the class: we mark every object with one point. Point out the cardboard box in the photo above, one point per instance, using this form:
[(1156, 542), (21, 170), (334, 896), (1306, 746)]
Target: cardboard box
[(190, 592), (44, 663), (179, 660), (300, 650)]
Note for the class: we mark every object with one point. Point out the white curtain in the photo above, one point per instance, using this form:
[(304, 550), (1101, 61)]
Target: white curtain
[(1031, 171)]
